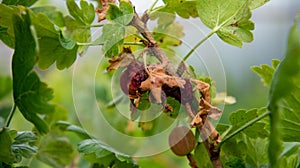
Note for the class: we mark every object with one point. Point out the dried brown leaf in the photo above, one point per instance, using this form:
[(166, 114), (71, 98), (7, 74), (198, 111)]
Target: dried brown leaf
[(122, 60), (103, 11), (197, 121), (158, 78)]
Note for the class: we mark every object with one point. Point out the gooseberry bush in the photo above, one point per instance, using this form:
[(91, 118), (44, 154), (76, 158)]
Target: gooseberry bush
[(159, 92)]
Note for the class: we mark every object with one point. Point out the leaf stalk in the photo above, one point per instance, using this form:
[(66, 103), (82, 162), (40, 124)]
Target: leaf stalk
[(197, 45), (248, 124), (11, 114), (96, 25), (151, 7)]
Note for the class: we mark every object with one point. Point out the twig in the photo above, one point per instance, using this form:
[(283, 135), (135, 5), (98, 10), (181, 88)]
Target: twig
[(214, 154), (193, 163), (152, 45), (125, 43), (189, 110)]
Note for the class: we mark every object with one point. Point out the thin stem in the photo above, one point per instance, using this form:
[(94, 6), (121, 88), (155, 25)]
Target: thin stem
[(197, 45), (11, 114), (115, 101), (125, 43), (155, 10), (189, 110), (248, 124), (134, 43), (89, 44), (152, 6), (97, 25)]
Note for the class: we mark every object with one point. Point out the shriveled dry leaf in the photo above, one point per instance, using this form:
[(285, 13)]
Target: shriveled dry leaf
[(158, 78), (197, 121), (122, 60), (103, 11), (203, 88)]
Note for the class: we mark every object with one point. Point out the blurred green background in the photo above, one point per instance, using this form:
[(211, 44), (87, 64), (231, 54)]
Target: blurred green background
[(272, 23)]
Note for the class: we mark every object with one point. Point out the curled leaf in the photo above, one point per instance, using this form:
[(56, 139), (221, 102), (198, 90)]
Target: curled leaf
[(122, 60)]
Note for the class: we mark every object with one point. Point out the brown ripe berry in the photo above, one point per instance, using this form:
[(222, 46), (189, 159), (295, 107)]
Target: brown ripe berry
[(182, 141)]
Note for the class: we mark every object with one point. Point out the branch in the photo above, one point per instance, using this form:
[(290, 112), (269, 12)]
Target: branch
[(212, 143), (193, 163), (153, 47)]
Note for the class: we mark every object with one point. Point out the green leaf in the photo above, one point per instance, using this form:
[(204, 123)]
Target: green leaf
[(144, 103), (232, 148), (104, 162), (289, 157), (50, 45), (6, 38), (245, 152), (266, 72), (289, 118), (19, 2), (163, 17), (201, 156), (53, 51), (184, 8), (66, 126), (6, 15), (23, 150), (168, 37), (55, 16), (228, 18), (234, 162), (5, 83), (223, 128), (176, 107), (122, 14), (284, 97), (78, 29), (55, 150), (112, 36), (85, 14), (91, 146), (257, 3), (30, 94), (290, 149), (25, 137), (257, 150), (241, 117), (100, 153), (66, 42), (88, 11), (6, 154), (291, 161)]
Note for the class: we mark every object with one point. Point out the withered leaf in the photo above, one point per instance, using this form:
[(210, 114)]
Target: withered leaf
[(122, 60), (103, 11), (158, 78)]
